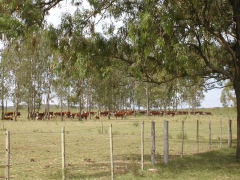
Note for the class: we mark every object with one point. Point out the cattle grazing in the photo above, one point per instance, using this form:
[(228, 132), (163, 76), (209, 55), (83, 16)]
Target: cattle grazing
[(104, 113), (156, 113), (172, 113), (40, 116), (119, 114), (8, 113), (84, 115), (143, 112), (130, 112), (59, 113), (7, 117), (97, 117)]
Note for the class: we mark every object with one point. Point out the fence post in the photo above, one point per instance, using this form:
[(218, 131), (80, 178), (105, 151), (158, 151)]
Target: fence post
[(153, 143), (230, 133), (165, 142), (142, 145), (7, 155), (210, 135), (220, 133), (197, 136), (111, 152), (63, 152), (182, 138)]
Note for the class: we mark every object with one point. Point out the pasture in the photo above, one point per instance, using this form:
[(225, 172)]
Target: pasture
[(36, 148)]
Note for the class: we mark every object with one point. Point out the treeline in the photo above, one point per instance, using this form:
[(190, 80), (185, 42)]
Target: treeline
[(45, 65)]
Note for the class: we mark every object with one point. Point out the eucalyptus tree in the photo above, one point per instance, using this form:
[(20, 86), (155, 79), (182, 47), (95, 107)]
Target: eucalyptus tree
[(179, 39), (5, 79), (17, 17), (228, 97), (14, 58)]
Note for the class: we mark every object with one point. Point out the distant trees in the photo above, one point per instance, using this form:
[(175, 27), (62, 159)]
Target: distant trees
[(228, 97)]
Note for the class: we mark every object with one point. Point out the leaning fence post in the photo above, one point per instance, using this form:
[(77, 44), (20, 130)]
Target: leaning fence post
[(220, 133), (142, 145), (7, 155), (165, 142), (197, 136), (230, 133), (182, 138), (63, 152), (111, 152), (210, 135), (153, 143)]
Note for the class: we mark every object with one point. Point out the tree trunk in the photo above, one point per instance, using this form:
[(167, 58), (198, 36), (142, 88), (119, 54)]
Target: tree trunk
[(6, 107), (16, 109), (47, 103), (16, 105), (80, 100), (61, 104), (236, 85), (2, 84), (34, 103), (28, 109), (147, 95)]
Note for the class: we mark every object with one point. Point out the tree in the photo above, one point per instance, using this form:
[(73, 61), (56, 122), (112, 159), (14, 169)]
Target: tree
[(228, 97), (168, 40)]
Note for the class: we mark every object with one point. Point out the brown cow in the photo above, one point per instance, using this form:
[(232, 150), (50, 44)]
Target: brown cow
[(104, 113), (7, 117), (119, 114), (143, 112), (130, 112), (84, 115), (208, 113), (40, 116), (156, 113), (8, 113), (59, 113)]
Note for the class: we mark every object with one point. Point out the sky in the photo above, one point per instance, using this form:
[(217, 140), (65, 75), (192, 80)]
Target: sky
[(212, 97)]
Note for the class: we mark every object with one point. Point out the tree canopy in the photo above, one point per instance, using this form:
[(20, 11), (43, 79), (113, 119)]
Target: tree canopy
[(184, 42)]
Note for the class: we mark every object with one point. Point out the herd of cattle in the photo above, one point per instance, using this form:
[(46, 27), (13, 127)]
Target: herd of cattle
[(116, 114)]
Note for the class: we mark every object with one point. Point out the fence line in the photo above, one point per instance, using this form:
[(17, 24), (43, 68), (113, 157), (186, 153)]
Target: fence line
[(146, 142)]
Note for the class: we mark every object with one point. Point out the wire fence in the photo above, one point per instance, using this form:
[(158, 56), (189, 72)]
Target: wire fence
[(87, 149)]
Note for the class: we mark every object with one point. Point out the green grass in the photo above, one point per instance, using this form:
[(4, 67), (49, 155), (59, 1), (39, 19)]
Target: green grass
[(36, 148), (214, 165)]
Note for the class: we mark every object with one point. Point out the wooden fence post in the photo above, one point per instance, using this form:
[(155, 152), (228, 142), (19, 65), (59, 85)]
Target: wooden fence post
[(210, 135), (111, 152), (182, 138), (153, 143), (7, 155), (142, 145), (165, 142), (63, 152), (197, 136), (230, 133), (220, 133)]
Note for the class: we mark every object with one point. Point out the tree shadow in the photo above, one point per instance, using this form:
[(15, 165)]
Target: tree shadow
[(214, 162), (219, 161)]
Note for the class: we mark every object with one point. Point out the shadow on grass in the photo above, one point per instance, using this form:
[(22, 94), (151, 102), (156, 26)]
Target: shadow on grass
[(207, 165)]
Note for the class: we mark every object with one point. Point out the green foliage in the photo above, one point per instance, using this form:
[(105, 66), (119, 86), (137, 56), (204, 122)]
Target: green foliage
[(228, 97)]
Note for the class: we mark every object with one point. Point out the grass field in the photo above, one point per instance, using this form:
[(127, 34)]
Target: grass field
[(36, 148)]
